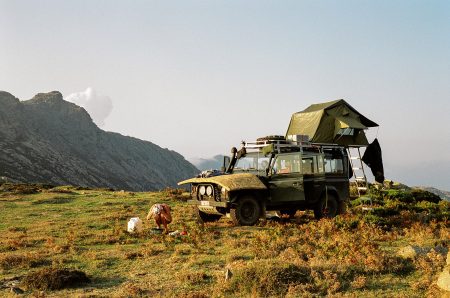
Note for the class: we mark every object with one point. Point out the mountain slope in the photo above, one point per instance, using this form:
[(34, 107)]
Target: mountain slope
[(47, 139)]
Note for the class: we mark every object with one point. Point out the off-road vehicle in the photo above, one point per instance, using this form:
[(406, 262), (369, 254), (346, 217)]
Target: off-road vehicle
[(274, 174)]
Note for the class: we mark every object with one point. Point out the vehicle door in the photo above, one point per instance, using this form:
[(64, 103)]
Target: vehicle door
[(313, 176), (286, 179), (337, 171)]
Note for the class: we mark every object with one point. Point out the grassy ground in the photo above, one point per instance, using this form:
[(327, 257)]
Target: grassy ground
[(350, 256)]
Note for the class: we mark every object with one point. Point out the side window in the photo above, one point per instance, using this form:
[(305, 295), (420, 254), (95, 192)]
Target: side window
[(320, 164), (308, 165), (312, 164), (334, 165), (285, 164)]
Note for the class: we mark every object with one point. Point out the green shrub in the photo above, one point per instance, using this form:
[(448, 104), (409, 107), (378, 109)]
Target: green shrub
[(426, 206), (423, 195), (385, 211), (375, 219), (400, 195)]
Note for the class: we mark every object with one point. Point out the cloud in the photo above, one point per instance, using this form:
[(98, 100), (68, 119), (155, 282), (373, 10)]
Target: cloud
[(98, 106)]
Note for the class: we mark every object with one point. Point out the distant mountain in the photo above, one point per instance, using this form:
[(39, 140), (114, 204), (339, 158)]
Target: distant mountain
[(445, 195), (213, 163), (49, 140)]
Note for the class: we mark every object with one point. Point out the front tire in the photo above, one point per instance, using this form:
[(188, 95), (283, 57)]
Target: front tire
[(246, 212), (327, 207)]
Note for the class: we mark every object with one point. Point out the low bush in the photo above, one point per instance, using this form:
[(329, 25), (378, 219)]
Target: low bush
[(23, 189), (21, 260), (267, 278), (423, 195), (55, 279)]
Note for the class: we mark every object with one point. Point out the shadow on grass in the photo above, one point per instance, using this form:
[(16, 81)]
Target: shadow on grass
[(106, 282), (55, 200)]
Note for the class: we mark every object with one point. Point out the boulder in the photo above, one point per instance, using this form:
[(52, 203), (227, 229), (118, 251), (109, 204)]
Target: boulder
[(443, 281), (412, 251)]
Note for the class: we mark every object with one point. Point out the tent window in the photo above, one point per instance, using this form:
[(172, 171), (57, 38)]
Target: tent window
[(346, 132)]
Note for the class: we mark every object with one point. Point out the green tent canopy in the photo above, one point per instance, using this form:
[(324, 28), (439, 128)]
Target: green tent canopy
[(334, 122)]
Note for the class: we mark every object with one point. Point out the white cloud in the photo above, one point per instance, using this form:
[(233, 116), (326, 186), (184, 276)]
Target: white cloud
[(98, 106)]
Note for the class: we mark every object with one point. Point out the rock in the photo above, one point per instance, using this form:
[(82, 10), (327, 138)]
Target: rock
[(228, 274), (16, 290), (443, 281), (411, 252), (442, 250)]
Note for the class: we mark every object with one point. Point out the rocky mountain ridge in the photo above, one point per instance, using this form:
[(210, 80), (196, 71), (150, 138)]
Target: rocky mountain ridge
[(49, 140)]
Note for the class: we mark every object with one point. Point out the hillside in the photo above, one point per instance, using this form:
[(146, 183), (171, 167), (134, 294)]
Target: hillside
[(49, 140), (398, 249)]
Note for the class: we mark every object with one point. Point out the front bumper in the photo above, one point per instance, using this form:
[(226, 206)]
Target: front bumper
[(208, 203)]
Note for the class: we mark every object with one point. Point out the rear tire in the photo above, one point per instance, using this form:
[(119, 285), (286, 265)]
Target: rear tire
[(326, 208), (205, 217), (246, 212)]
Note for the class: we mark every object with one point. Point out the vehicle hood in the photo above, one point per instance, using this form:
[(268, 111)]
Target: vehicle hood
[(230, 182)]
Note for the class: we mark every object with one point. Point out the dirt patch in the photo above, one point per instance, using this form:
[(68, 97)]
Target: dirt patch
[(55, 279)]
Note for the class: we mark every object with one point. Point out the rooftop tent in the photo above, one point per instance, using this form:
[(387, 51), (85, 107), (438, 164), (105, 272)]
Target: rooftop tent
[(334, 122)]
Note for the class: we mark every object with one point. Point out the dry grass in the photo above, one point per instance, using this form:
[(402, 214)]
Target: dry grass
[(353, 255)]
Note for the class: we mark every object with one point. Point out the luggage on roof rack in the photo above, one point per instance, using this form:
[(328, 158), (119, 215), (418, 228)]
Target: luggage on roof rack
[(275, 139)]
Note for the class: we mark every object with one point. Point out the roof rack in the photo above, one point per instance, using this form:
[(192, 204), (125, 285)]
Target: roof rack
[(281, 144)]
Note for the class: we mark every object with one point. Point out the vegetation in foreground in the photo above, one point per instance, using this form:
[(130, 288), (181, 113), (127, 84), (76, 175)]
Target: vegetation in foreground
[(396, 249)]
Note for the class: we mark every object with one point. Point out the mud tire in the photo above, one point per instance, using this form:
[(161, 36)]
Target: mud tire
[(325, 209), (246, 212)]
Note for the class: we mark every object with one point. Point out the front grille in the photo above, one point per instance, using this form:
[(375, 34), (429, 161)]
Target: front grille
[(215, 195)]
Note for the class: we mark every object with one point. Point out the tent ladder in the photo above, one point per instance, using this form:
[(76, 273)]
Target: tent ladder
[(359, 177)]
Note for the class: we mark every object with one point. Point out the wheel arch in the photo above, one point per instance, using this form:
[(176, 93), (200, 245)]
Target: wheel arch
[(261, 195), (331, 190)]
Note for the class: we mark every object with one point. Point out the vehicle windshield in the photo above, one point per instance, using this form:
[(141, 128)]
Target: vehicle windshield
[(252, 162)]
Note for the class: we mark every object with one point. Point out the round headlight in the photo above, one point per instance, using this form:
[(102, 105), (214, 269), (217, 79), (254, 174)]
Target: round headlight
[(209, 190), (202, 190)]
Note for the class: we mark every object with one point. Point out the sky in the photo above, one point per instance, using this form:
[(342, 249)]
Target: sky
[(198, 77)]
